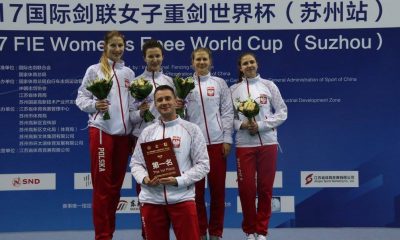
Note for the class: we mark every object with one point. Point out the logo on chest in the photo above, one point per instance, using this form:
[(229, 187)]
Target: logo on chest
[(127, 83), (176, 141), (263, 99), (210, 91)]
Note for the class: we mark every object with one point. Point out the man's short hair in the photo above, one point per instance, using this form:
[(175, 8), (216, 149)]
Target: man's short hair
[(164, 87)]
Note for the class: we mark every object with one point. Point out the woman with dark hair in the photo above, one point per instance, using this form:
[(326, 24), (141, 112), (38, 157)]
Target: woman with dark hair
[(153, 56), (256, 145), (109, 140)]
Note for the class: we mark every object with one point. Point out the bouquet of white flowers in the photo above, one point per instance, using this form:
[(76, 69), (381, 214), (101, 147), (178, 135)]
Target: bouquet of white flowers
[(141, 89), (249, 108), (100, 88), (183, 87)]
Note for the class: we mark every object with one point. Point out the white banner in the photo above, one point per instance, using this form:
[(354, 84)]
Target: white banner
[(84, 181), (23, 181), (140, 15), (310, 179)]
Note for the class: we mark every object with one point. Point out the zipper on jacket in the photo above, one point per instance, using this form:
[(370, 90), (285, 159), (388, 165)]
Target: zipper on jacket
[(165, 190), (254, 119), (204, 111), (95, 116), (119, 95), (154, 81)]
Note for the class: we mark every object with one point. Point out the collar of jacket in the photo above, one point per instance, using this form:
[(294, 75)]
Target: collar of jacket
[(251, 80), (118, 64), (202, 78), (169, 123), (150, 74)]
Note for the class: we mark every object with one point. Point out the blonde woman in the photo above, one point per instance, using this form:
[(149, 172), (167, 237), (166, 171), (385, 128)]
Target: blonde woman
[(109, 140)]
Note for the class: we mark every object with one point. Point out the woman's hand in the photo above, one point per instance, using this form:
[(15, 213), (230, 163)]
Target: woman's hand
[(180, 103), (253, 127), (143, 107), (102, 105), (226, 148)]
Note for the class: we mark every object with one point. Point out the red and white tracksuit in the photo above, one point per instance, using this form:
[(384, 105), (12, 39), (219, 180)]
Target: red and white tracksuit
[(256, 154), (110, 144), (209, 105), (163, 204)]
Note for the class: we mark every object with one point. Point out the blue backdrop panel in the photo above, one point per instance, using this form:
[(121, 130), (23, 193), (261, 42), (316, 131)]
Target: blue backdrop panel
[(343, 116)]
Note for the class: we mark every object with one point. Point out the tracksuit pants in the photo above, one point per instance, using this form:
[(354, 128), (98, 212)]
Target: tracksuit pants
[(156, 220), (216, 182), (109, 158), (256, 168)]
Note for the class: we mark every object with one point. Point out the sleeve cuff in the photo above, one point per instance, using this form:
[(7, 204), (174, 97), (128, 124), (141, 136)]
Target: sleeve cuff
[(93, 106), (228, 139), (180, 181), (237, 124), (135, 116)]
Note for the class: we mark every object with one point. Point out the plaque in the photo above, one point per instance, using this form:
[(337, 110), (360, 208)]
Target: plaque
[(160, 158)]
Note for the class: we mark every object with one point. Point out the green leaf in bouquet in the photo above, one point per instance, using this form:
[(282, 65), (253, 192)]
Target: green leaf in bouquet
[(180, 112), (148, 116), (106, 116)]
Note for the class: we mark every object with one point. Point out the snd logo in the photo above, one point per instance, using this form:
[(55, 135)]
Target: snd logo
[(16, 182)]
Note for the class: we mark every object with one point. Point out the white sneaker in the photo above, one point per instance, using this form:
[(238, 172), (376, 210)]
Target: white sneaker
[(261, 237), (250, 237)]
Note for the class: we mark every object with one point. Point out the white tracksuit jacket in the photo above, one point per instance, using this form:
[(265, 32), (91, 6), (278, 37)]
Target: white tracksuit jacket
[(156, 79), (192, 157), (212, 110), (119, 98), (273, 111)]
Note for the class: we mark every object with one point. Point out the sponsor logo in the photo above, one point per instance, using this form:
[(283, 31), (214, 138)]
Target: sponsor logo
[(282, 204), (84, 181), (128, 205), (127, 83), (40, 181), (311, 179), (88, 180), (176, 141), (263, 99), (210, 91), (17, 182), (102, 160)]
